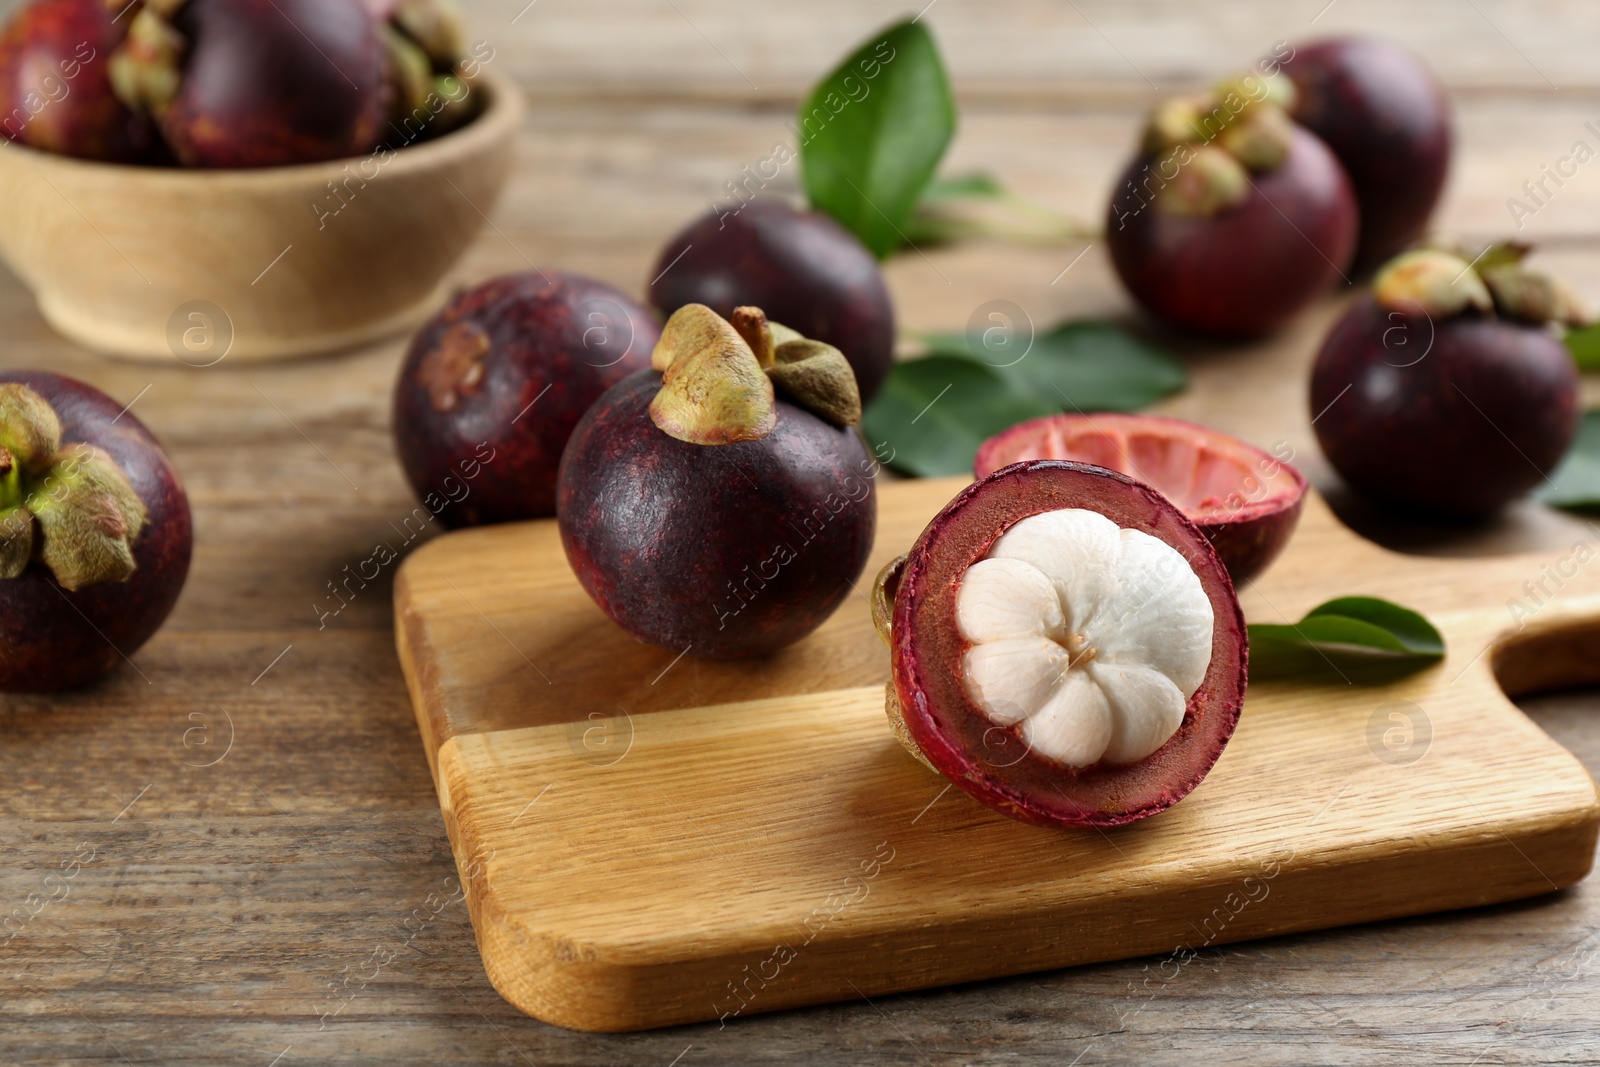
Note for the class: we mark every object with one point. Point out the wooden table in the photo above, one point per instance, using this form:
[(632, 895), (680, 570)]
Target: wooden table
[(250, 802)]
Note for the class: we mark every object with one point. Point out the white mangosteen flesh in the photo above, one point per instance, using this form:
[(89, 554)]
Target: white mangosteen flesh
[(1088, 637)]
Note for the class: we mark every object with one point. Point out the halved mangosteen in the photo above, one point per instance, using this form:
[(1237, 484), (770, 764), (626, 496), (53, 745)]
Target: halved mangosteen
[(1067, 647), (1246, 501)]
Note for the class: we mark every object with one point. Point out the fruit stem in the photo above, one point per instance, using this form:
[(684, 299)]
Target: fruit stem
[(1004, 216)]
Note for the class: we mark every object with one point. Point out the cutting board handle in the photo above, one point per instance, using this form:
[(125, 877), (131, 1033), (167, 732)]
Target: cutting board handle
[(1548, 654)]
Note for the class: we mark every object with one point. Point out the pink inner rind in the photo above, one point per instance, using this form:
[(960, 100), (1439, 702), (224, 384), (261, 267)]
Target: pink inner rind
[(1209, 475), (982, 759), (1244, 500)]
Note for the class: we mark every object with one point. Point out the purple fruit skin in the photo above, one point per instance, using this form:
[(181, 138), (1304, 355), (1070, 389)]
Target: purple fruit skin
[(51, 639), (55, 93), (800, 267), (683, 545), (554, 347), (1388, 120), (277, 82), (1458, 434), (1247, 270), (1247, 548)]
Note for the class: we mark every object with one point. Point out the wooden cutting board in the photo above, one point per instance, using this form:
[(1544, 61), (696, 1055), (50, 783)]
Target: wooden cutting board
[(647, 840)]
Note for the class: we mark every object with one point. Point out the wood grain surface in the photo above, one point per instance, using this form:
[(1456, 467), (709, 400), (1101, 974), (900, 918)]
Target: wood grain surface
[(645, 841), (295, 901)]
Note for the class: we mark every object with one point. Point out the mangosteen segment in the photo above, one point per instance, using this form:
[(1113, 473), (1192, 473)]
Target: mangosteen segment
[(1088, 637), (86, 512), (1063, 671)]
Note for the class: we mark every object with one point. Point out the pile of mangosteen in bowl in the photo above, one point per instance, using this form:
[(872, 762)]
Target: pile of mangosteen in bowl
[(243, 159)]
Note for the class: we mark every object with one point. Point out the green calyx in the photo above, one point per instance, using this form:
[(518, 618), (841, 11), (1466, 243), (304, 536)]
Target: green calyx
[(425, 41), (410, 72), (30, 434), (1445, 279), (68, 507), (435, 26), (720, 376), (146, 69), (1207, 145)]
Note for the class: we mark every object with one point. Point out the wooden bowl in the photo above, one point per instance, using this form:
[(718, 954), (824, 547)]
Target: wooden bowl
[(162, 263)]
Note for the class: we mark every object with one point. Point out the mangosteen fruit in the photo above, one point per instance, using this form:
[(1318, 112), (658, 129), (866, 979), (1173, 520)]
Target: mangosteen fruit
[(55, 89), (1067, 647), (95, 534), (257, 83), (1244, 500), (1231, 218), (1447, 392), (1387, 119), (721, 503), (801, 267), (492, 386)]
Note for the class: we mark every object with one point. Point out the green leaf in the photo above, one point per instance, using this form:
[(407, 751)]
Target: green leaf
[(1078, 366), (1584, 344), (873, 132), (1351, 639), (932, 414), (1575, 485), (1409, 630)]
